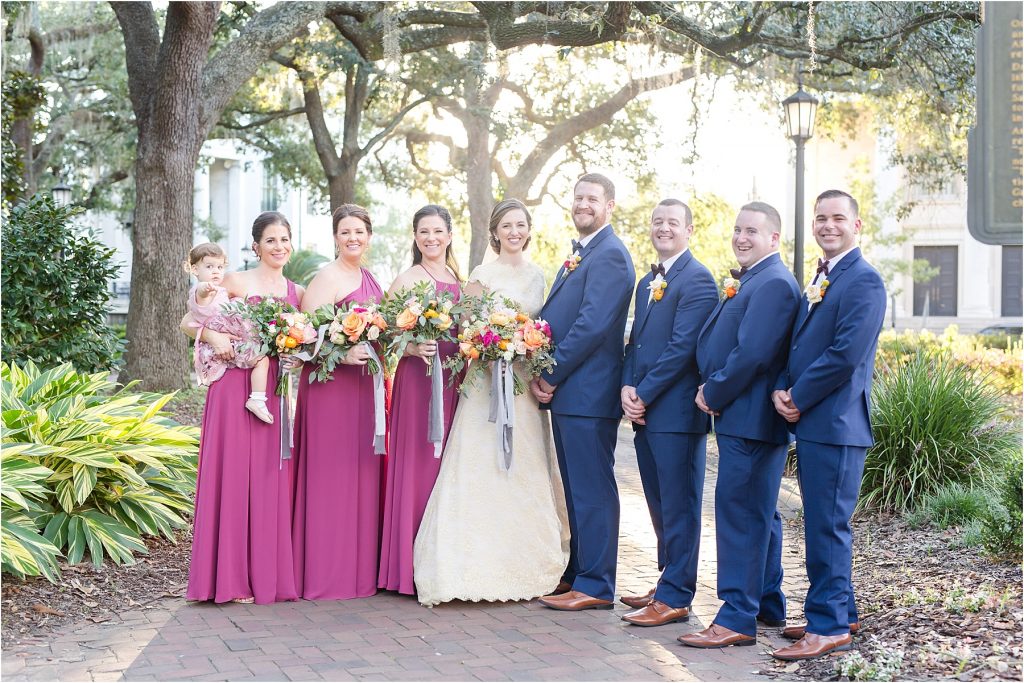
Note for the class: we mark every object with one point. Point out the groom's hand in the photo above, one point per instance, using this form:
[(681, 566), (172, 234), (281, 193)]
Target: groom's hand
[(701, 403), (538, 391), (632, 406)]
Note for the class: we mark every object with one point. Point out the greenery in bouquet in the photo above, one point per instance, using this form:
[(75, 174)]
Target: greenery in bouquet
[(420, 314), (263, 315), (347, 327), (497, 330)]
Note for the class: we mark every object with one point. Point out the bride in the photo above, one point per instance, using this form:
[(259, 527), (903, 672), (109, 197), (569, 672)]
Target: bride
[(490, 534)]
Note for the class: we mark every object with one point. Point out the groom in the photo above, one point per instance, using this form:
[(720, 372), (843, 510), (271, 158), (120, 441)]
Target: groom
[(587, 309)]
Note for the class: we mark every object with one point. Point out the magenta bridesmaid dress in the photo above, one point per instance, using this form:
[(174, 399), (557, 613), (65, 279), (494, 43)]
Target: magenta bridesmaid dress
[(336, 527), (412, 467), (242, 532)]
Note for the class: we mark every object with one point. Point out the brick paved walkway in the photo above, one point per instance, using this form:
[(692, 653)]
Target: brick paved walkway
[(390, 637)]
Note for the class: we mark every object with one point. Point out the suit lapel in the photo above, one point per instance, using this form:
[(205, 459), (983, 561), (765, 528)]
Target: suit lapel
[(747, 277), (564, 275), (805, 312), (673, 272)]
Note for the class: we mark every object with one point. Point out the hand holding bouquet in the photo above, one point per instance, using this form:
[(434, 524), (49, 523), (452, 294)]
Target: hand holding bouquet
[(346, 328), (420, 314), (294, 330), (497, 330)]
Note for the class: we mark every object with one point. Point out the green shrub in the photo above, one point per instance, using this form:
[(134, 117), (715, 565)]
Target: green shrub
[(56, 284), (1002, 527), (86, 468), (955, 505), (935, 422)]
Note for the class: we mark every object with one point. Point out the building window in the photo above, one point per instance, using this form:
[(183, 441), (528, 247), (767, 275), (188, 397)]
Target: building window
[(1013, 275), (271, 193), (939, 292)]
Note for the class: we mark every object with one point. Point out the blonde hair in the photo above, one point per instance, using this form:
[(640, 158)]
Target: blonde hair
[(201, 251)]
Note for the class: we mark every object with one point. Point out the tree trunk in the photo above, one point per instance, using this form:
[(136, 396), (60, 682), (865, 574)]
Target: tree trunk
[(157, 350), (479, 184), (342, 185)]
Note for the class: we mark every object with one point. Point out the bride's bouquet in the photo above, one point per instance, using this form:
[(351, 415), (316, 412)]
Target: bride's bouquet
[(340, 330), (498, 331)]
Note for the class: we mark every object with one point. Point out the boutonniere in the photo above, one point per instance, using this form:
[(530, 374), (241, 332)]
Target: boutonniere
[(730, 287), (816, 293), (657, 288), (571, 263)]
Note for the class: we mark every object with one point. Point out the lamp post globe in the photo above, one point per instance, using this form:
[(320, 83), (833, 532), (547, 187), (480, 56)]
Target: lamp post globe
[(61, 193), (801, 108)]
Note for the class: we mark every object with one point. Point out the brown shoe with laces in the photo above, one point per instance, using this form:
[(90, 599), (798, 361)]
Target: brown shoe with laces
[(657, 614)]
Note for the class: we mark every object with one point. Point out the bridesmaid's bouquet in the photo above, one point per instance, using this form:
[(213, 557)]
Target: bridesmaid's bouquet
[(418, 314), (294, 329), (498, 331), (260, 316), (339, 330)]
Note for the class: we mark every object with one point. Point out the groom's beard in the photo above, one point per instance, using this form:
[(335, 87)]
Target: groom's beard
[(587, 223)]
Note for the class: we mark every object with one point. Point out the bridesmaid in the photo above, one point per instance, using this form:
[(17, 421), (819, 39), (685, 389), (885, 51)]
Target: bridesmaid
[(242, 533), (412, 467), (338, 478)]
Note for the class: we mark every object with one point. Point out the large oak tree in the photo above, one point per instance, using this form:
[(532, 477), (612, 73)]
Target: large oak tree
[(179, 89)]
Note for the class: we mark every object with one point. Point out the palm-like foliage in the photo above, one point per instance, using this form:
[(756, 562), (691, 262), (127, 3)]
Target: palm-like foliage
[(303, 265), (87, 468)]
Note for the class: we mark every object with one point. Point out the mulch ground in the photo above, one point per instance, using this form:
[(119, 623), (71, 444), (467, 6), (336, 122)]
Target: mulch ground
[(953, 613)]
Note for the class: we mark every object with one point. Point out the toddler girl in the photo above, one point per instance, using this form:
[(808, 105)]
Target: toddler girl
[(205, 300)]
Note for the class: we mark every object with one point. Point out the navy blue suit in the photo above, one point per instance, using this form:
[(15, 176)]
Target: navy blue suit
[(831, 361), (587, 309), (741, 350), (661, 363)]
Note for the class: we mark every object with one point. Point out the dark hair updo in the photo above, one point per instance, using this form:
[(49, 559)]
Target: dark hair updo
[(265, 220)]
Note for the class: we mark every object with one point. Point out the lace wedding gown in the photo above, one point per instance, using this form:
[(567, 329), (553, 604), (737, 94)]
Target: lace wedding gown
[(488, 534)]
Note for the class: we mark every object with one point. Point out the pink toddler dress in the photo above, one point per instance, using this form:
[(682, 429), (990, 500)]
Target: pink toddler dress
[(211, 316)]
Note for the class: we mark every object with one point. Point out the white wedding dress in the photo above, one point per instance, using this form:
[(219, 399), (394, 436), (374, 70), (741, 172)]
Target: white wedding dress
[(488, 534)]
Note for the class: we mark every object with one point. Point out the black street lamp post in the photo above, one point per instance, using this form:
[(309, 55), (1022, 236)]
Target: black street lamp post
[(801, 108)]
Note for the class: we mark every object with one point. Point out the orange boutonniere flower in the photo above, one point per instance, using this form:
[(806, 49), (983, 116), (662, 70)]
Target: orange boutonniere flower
[(730, 287)]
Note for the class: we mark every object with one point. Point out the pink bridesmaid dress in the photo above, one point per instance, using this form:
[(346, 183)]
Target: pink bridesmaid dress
[(336, 527), (412, 467), (242, 532)]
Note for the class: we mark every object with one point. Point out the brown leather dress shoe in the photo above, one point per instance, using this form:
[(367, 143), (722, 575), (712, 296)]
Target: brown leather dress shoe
[(657, 614), (716, 636), (562, 587), (797, 632), (771, 623), (574, 601), (638, 601), (812, 646)]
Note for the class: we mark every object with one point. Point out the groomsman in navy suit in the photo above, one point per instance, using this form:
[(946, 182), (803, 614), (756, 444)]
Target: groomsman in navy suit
[(741, 350), (587, 308), (825, 394), (659, 381)]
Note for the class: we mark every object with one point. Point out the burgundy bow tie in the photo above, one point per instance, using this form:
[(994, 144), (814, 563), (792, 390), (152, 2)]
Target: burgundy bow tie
[(822, 267), (658, 269), (738, 273)]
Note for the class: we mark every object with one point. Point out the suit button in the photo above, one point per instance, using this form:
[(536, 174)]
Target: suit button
[(794, 347), (639, 346)]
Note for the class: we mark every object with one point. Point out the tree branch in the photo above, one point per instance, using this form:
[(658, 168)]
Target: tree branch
[(141, 46)]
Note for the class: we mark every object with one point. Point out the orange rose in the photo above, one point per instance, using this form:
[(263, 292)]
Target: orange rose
[(521, 317), (533, 338), (353, 325), (290, 342), (730, 292), (657, 294), (406, 320), (466, 349), (473, 353), (378, 321)]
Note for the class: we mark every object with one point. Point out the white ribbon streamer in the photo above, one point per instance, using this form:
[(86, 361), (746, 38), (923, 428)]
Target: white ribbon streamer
[(435, 423), (379, 427), (502, 413)]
